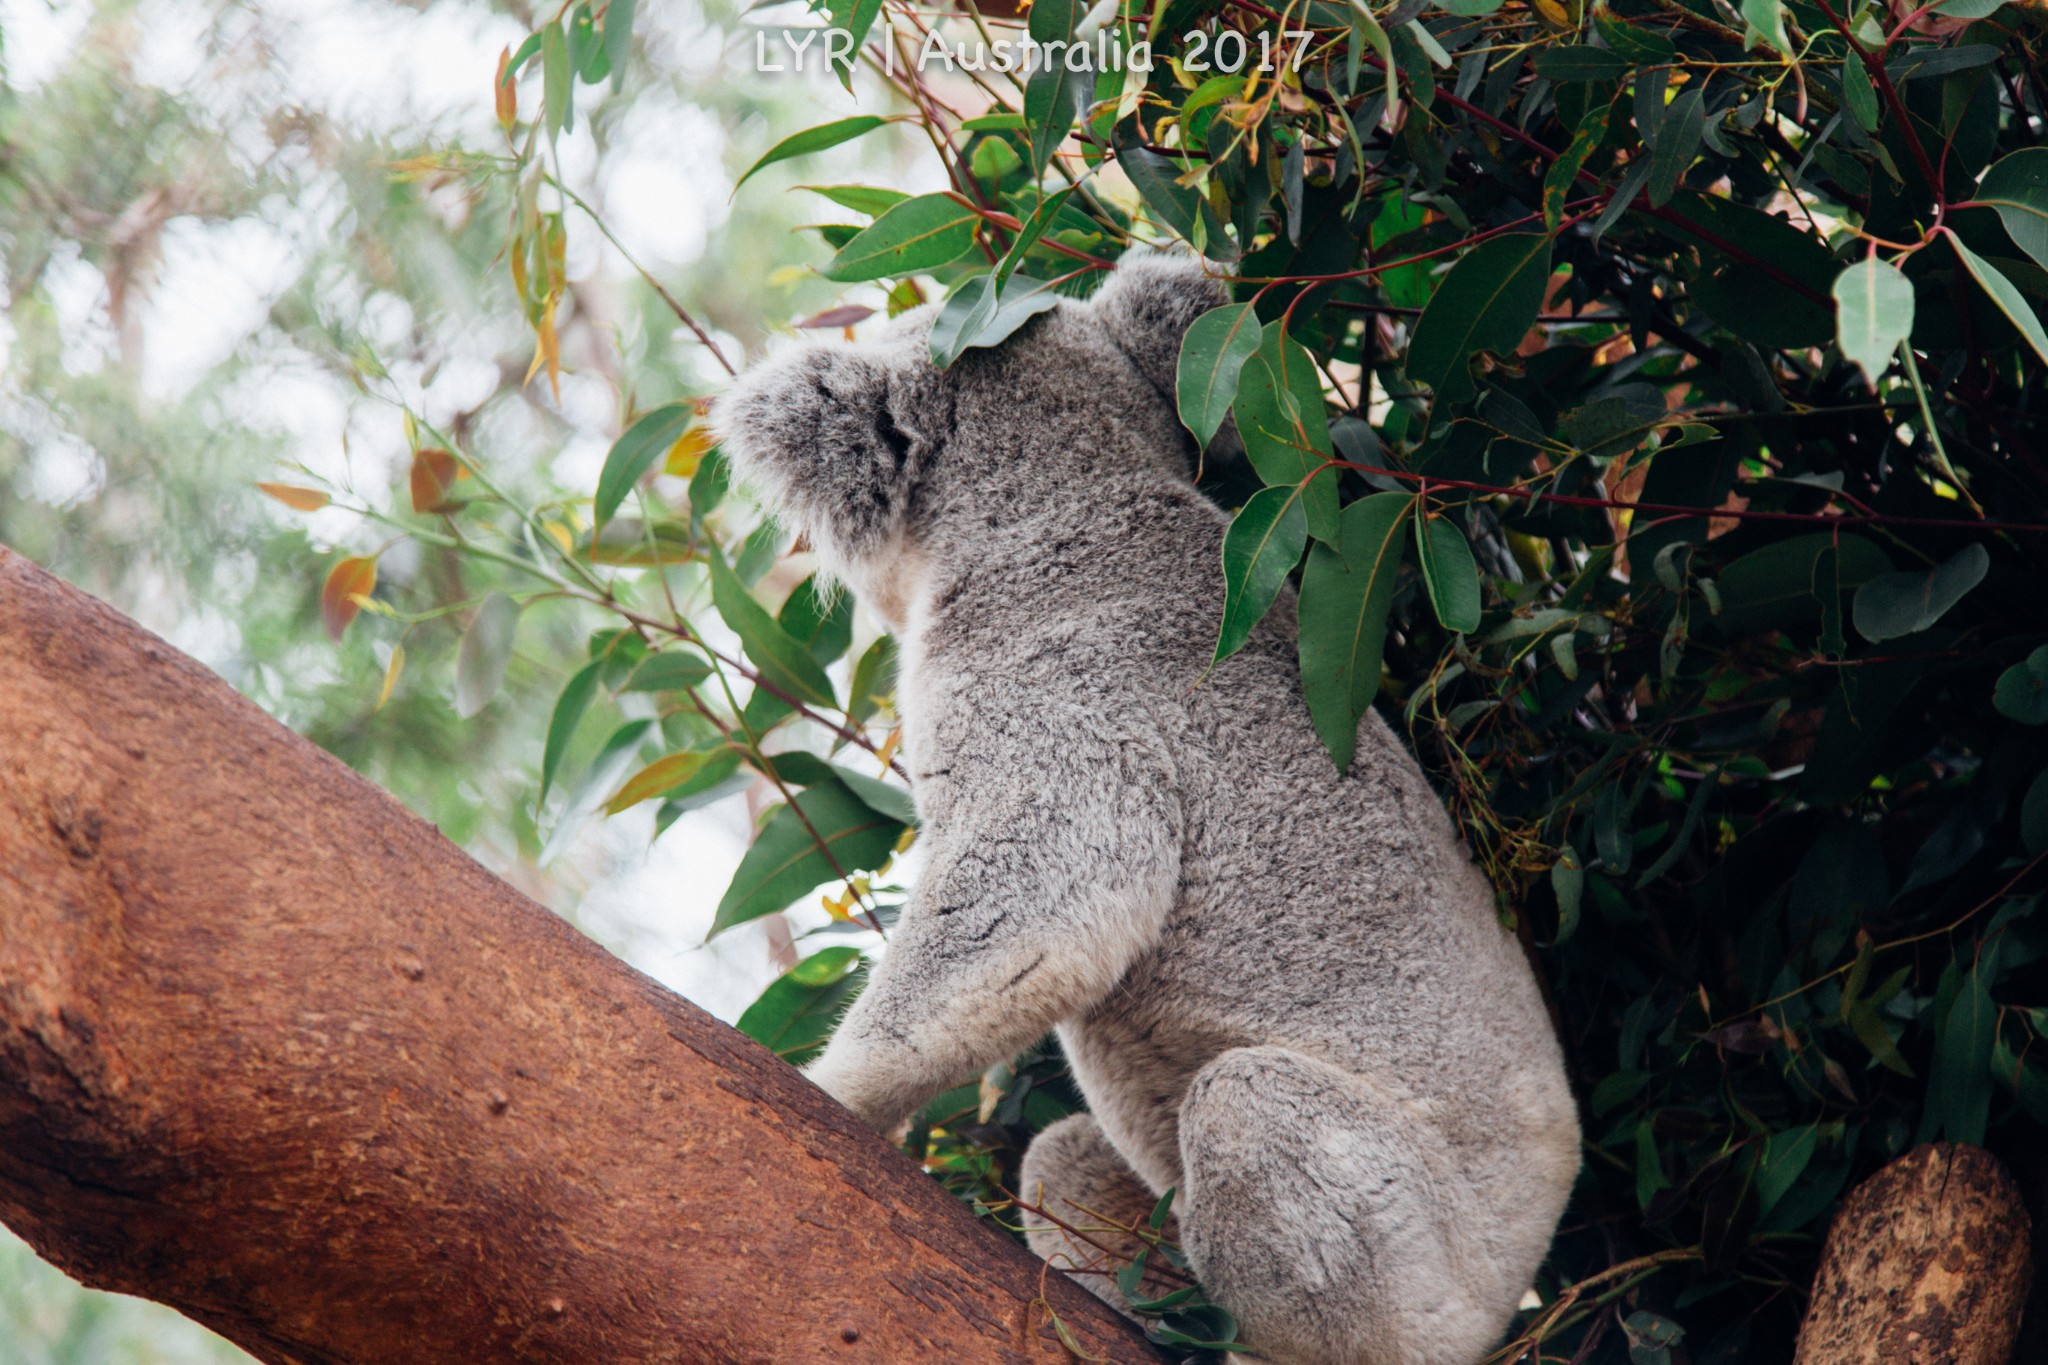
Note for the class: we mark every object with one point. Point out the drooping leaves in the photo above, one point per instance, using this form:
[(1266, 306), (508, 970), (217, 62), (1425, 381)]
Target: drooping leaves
[(822, 138), (1487, 303), (828, 833), (1896, 604), (1343, 618), (1261, 548), (1212, 356), (633, 455)]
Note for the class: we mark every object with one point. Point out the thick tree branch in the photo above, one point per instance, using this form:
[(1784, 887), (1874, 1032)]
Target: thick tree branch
[(275, 1052)]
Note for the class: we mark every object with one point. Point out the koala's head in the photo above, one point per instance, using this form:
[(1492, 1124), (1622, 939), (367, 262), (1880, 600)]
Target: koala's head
[(878, 456)]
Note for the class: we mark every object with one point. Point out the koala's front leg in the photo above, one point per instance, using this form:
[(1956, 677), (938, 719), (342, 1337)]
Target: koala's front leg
[(1028, 914)]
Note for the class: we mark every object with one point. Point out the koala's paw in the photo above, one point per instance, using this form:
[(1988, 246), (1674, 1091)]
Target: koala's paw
[(856, 1087)]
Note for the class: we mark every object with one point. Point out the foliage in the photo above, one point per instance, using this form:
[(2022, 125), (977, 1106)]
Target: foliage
[(1645, 399)]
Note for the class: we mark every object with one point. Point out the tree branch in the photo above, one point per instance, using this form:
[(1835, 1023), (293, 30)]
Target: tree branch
[(276, 1053)]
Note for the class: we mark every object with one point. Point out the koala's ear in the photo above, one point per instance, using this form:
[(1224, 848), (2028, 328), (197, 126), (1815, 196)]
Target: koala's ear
[(1148, 305), (834, 437)]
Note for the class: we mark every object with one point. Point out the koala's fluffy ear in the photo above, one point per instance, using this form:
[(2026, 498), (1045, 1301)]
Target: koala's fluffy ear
[(835, 437), (1148, 305)]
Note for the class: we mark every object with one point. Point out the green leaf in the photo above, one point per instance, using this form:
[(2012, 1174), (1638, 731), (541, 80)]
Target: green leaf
[(1260, 549), (874, 679), (1568, 883), (1182, 209), (818, 139), (1212, 355), (1054, 98), (568, 713), (1564, 172), (1897, 604), (782, 662), (1285, 430), (1785, 1159), (977, 315), (1448, 571), (1366, 31), (2022, 690), (1343, 618), (1640, 45), (486, 648), (618, 38), (856, 18), (784, 862), (558, 93), (1578, 62), (633, 454), (866, 199), (672, 670), (800, 1008), (2017, 310), (1873, 314), (1678, 142), (1959, 1088), (1859, 93), (1772, 587), (1767, 18), (918, 234), (2017, 186), (1488, 302), (1030, 231), (821, 619)]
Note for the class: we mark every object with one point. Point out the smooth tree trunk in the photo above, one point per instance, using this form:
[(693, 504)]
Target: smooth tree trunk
[(276, 1053)]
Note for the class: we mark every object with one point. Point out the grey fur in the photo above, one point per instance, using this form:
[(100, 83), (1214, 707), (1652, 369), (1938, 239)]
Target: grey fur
[(1286, 994)]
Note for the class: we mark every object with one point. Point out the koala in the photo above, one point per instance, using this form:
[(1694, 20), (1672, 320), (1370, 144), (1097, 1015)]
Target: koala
[(1285, 994)]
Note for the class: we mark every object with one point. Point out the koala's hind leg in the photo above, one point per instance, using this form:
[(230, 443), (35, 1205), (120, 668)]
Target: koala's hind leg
[(1328, 1219), (1073, 1173)]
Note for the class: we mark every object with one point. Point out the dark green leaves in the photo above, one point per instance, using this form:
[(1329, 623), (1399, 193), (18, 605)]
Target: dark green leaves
[(785, 861), (1343, 620), (1448, 571), (2008, 299), (2017, 186), (1959, 1090), (918, 234), (1905, 603), (1260, 549), (1212, 355), (1177, 206), (1579, 63), (784, 663), (1285, 430), (632, 455), (568, 712), (824, 136), (2022, 690), (1563, 174), (796, 1014), (1487, 303)]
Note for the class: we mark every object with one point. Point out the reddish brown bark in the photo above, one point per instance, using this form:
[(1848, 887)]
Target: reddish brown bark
[(1927, 1263), (276, 1053)]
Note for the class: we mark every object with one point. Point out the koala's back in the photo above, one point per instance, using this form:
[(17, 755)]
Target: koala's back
[(1342, 918)]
